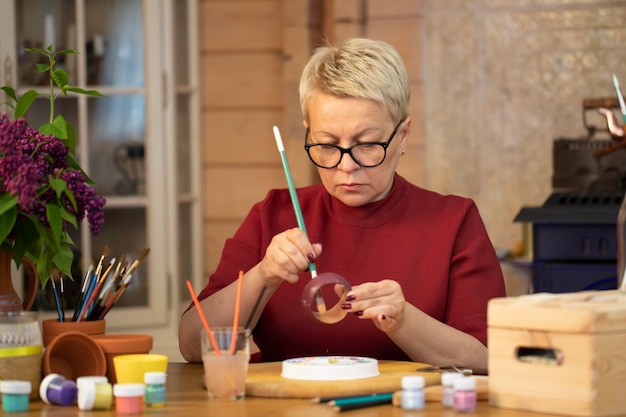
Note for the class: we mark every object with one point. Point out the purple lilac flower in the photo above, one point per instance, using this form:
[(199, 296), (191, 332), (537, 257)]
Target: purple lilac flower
[(28, 160), (87, 202)]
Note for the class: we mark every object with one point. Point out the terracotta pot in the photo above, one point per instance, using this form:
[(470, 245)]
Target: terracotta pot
[(52, 328), (74, 354), (122, 344)]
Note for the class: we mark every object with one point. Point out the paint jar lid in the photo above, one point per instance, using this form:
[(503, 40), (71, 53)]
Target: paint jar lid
[(55, 389), (86, 395), (129, 390), (154, 377), (97, 379), (45, 383), (94, 394), (447, 378), (413, 382), (465, 383), (15, 387)]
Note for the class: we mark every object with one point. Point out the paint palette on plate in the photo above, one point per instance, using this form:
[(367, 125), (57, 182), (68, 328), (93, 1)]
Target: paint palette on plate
[(330, 368)]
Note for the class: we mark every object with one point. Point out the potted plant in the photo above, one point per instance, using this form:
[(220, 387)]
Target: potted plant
[(43, 190)]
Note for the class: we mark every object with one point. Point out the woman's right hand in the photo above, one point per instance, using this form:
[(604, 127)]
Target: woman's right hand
[(288, 255)]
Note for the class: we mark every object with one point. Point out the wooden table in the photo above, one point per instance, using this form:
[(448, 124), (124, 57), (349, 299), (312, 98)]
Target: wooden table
[(186, 397)]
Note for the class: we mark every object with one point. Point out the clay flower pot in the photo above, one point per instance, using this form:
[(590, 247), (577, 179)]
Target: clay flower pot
[(51, 328), (122, 344), (74, 354)]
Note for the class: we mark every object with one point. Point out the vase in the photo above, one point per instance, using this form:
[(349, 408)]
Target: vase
[(9, 300)]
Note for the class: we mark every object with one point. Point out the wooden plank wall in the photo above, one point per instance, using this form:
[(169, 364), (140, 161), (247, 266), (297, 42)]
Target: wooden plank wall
[(252, 54)]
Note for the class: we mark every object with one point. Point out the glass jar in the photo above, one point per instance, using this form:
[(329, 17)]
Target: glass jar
[(20, 348)]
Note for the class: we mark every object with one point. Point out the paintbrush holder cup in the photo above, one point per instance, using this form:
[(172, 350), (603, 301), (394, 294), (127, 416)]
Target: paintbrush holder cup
[(122, 344), (20, 348), (52, 328)]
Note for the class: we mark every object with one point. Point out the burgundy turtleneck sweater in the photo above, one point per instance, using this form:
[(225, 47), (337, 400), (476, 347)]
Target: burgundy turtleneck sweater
[(435, 246)]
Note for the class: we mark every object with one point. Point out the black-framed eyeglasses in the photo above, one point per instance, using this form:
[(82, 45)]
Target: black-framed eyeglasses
[(366, 154)]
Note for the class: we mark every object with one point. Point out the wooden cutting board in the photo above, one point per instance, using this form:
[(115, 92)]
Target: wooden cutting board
[(264, 380)]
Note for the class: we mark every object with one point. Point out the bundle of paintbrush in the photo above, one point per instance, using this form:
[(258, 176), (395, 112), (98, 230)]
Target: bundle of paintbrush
[(101, 287)]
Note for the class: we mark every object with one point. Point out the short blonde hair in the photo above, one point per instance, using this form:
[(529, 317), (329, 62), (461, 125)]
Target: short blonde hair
[(358, 68)]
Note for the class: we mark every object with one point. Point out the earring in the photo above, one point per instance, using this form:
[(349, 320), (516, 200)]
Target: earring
[(402, 152)]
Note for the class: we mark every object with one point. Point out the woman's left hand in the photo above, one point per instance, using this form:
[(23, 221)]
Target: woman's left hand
[(383, 302)]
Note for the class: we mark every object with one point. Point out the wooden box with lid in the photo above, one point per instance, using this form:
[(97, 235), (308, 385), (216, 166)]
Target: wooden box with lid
[(559, 353)]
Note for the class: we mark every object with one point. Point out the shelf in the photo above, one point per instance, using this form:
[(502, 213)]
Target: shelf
[(103, 89), (115, 202), (141, 55)]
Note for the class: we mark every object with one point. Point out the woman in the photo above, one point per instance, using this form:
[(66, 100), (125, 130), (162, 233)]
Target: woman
[(420, 264)]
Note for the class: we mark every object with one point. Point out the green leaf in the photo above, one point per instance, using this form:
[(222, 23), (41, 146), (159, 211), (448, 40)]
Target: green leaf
[(37, 51), (29, 238), (58, 128), (63, 260), (70, 196), (58, 185), (48, 129), (69, 217), (7, 201), (43, 67), (9, 91), (66, 51), (93, 93), (8, 216), (7, 221), (61, 125), (53, 214), (51, 130), (60, 188), (24, 102), (60, 78), (44, 269), (67, 240), (74, 165), (71, 137)]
